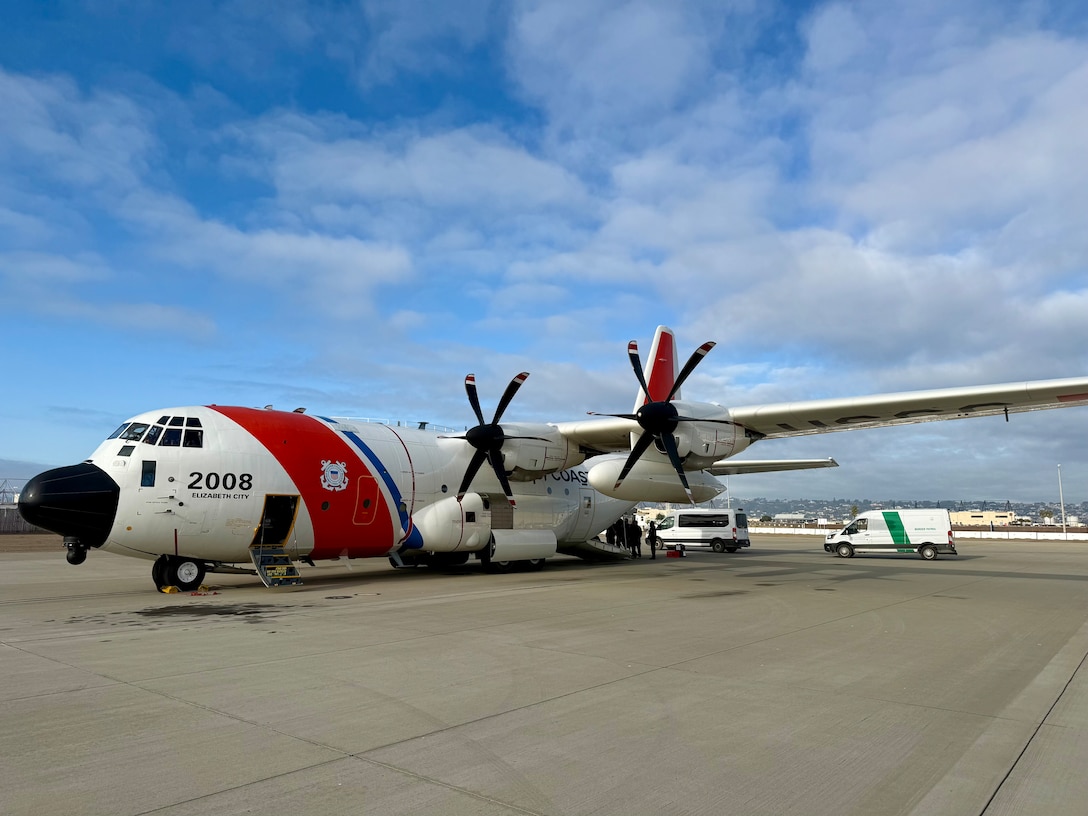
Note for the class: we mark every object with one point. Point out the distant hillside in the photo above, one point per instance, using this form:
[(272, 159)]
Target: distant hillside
[(16, 470)]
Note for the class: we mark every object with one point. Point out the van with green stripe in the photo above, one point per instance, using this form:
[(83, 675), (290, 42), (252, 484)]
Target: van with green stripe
[(925, 532)]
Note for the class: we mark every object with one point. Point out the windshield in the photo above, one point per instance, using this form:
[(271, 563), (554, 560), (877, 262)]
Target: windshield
[(135, 432)]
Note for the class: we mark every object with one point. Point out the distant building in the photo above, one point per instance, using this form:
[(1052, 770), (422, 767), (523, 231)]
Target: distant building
[(790, 518), (797, 518), (983, 518)]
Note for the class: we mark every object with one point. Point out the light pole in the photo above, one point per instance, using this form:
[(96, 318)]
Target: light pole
[(1061, 499)]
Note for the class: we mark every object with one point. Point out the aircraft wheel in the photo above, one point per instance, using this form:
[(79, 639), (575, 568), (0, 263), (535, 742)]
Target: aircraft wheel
[(844, 551), (487, 556), (76, 555), (158, 572), (717, 545), (184, 573), (535, 564), (928, 552)]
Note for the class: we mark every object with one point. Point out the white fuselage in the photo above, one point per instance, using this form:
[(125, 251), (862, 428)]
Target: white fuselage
[(212, 481)]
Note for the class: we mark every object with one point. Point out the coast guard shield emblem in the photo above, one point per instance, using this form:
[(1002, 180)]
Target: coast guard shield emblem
[(334, 475)]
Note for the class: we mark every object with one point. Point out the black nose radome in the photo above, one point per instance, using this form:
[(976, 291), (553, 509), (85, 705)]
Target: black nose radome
[(78, 501)]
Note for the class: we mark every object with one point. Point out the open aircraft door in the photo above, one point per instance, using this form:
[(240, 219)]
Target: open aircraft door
[(277, 524)]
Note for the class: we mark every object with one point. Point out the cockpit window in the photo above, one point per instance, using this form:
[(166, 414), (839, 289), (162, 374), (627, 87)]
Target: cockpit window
[(135, 432), (182, 432), (171, 438), (119, 431)]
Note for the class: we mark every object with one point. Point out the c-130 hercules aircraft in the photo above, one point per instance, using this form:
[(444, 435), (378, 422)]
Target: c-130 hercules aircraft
[(204, 488)]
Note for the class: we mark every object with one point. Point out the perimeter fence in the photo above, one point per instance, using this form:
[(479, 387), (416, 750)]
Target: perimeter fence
[(12, 522)]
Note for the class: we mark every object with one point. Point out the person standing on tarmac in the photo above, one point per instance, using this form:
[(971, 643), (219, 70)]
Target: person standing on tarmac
[(634, 535), (651, 539)]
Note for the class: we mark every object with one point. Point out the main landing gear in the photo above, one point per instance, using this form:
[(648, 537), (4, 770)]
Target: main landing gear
[(187, 574)]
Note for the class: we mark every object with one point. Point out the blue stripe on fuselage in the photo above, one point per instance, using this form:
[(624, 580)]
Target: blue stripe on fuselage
[(413, 540)]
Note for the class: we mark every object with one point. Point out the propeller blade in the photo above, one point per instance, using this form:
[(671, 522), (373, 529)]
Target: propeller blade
[(636, 364), (659, 418), (637, 450), (694, 360), (488, 437), (674, 456), (508, 395), (495, 458), (473, 397), (470, 472)]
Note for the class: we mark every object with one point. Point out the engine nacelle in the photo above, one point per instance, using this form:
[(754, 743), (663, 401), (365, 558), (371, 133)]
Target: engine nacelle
[(452, 526), (652, 481), (545, 451), (703, 443)]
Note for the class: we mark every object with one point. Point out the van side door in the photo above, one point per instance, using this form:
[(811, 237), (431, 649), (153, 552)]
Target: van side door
[(858, 531)]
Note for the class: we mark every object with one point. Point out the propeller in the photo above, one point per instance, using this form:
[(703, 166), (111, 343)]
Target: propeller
[(659, 418), (488, 437)]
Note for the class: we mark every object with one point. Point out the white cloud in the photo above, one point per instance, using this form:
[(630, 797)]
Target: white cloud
[(409, 35), (898, 206), (78, 141), (589, 63)]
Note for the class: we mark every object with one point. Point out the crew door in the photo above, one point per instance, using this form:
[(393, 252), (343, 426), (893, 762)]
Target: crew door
[(277, 521), (583, 520)]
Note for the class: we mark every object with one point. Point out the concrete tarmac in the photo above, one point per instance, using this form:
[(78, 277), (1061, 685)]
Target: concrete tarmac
[(776, 680)]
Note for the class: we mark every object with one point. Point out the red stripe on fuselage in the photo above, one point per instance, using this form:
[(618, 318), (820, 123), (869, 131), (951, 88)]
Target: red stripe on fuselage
[(356, 520)]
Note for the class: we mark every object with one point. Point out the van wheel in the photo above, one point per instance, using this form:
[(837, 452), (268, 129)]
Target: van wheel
[(844, 551), (717, 545), (928, 552)]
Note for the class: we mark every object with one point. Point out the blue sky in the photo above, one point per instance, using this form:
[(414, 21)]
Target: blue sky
[(349, 206)]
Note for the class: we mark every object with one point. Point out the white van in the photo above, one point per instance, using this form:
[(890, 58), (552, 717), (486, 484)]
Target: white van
[(720, 530), (926, 532)]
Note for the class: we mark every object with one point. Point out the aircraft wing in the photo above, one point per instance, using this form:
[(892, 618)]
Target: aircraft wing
[(734, 467), (600, 435), (826, 415)]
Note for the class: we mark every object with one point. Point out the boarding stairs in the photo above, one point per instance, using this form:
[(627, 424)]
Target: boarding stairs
[(274, 566), (595, 550)]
